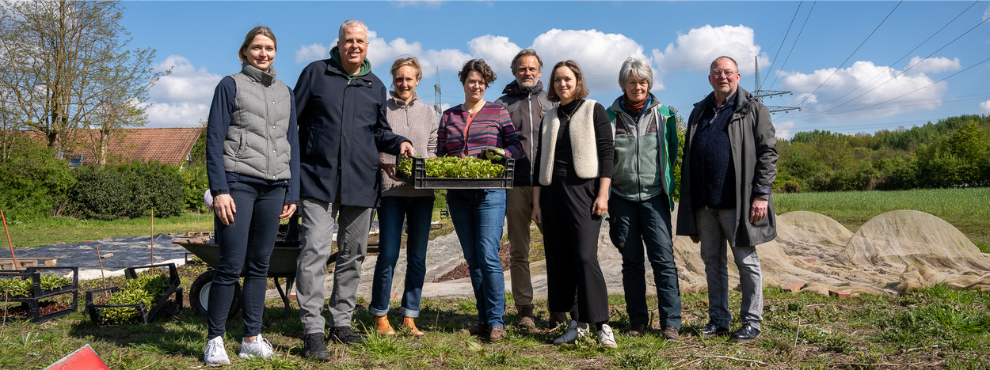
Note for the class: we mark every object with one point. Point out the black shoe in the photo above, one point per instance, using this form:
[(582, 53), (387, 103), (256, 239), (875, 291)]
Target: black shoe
[(344, 334), (557, 318), (314, 348), (746, 332), (637, 329), (713, 330)]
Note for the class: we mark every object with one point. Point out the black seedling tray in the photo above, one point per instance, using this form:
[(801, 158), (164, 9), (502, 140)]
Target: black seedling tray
[(34, 274), (418, 180), (33, 306), (146, 314)]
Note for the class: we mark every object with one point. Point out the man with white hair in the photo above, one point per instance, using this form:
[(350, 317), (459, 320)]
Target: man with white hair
[(730, 164), (342, 127)]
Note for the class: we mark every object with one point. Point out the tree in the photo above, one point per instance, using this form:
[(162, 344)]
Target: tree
[(70, 68)]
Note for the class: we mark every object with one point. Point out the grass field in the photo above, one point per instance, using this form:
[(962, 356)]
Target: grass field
[(966, 209), (935, 328)]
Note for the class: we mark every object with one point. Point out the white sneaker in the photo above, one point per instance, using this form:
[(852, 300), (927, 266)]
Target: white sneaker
[(215, 354), (606, 337), (574, 331), (260, 347)]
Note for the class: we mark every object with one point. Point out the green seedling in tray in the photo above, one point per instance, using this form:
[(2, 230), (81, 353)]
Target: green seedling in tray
[(14, 288), (454, 167), (146, 288)]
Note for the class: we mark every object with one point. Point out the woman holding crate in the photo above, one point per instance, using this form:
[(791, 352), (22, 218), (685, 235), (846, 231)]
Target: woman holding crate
[(400, 202), (478, 128), (252, 162)]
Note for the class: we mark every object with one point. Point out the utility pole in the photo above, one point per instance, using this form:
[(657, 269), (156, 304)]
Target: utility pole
[(759, 93), (436, 101)]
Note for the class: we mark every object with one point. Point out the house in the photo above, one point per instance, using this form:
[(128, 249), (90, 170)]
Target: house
[(165, 145)]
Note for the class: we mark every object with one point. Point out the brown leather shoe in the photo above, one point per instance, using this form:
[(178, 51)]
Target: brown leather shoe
[(409, 323), (476, 329), (670, 333), (497, 334), (382, 326), (526, 317)]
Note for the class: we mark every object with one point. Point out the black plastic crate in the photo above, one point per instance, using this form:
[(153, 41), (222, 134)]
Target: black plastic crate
[(41, 293), (32, 307), (418, 180), (34, 274), (145, 313)]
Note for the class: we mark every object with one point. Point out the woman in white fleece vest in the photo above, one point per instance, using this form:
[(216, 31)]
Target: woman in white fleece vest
[(575, 161)]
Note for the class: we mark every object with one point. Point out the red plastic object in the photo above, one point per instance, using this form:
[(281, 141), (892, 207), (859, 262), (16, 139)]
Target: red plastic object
[(82, 359)]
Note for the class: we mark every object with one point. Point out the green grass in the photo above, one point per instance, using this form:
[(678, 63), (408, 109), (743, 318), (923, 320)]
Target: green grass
[(966, 209), (70, 230), (935, 328)]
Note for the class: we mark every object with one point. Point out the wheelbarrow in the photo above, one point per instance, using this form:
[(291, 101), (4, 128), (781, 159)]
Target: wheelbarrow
[(281, 265)]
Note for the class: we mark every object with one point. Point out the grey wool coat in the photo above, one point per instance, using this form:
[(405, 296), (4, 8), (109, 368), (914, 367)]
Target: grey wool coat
[(754, 159)]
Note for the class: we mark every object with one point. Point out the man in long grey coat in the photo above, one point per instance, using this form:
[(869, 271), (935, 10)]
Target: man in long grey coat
[(729, 167)]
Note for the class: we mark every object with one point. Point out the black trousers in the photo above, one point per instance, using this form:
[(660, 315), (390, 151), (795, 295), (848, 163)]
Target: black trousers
[(575, 282)]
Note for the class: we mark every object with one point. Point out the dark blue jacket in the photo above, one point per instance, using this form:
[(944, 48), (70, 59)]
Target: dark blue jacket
[(342, 127)]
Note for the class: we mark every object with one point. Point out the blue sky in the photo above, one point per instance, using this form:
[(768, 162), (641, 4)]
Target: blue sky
[(895, 79)]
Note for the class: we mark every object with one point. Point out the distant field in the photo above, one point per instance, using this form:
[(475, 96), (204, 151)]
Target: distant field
[(966, 209), (69, 230)]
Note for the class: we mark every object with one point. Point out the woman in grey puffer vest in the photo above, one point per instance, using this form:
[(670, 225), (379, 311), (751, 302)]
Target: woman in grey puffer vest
[(252, 161)]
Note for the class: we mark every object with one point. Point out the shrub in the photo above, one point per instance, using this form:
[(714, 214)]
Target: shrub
[(129, 190), (33, 180)]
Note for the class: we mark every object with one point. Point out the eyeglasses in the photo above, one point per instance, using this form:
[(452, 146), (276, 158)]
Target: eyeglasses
[(726, 73)]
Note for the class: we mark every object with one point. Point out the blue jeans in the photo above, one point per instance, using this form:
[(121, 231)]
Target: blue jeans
[(245, 243), (478, 216), (633, 224), (417, 212)]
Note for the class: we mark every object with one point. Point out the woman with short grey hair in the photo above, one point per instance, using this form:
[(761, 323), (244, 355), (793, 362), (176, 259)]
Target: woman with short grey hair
[(642, 197)]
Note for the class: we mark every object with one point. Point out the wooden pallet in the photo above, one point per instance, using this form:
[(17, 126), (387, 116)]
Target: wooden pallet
[(7, 264)]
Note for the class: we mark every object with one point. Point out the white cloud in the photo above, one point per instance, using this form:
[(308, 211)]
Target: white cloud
[(498, 52), (920, 96), (186, 83), (177, 114), (933, 65), (181, 99), (986, 14), (309, 53), (696, 50), (381, 54), (985, 107), (783, 129), (599, 54)]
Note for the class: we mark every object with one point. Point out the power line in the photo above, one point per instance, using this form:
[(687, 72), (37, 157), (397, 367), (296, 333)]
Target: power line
[(905, 55), (794, 44), (851, 55), (785, 37), (922, 88), (905, 69)]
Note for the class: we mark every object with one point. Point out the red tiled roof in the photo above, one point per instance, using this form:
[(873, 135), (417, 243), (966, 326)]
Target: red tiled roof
[(165, 145)]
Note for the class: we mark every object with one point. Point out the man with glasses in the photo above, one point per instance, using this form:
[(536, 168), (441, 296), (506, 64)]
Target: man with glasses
[(729, 167)]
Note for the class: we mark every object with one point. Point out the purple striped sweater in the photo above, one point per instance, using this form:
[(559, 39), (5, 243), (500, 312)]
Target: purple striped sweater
[(490, 127)]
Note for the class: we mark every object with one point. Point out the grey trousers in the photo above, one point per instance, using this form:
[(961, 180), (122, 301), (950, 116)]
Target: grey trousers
[(352, 242), (715, 229), (519, 215)]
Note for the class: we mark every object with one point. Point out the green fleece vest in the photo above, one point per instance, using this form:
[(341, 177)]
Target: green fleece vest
[(639, 173)]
